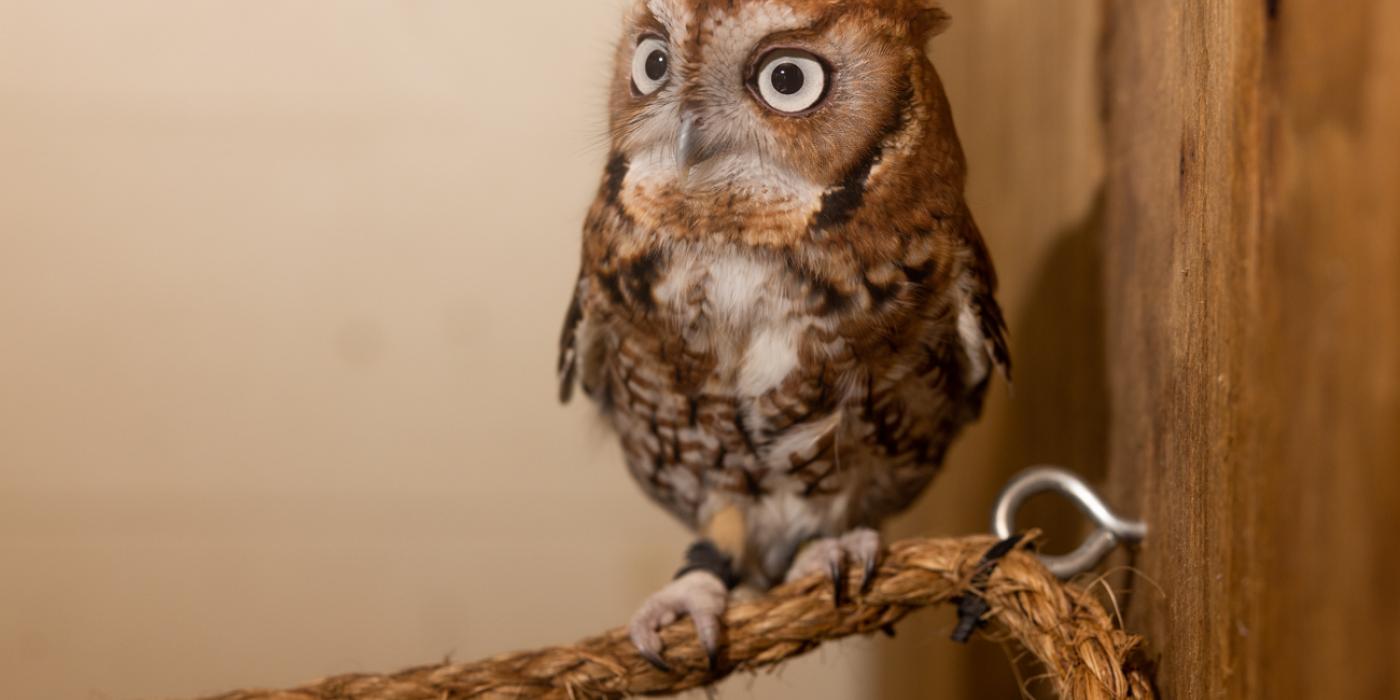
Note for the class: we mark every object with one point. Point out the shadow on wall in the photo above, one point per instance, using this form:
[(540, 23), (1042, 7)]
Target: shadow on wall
[(1059, 413)]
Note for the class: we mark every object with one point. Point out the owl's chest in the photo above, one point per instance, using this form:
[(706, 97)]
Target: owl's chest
[(741, 312), (710, 384)]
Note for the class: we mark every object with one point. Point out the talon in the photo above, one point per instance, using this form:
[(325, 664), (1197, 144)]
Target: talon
[(868, 582), (889, 630), (656, 661), (698, 595), (831, 556), (707, 630), (838, 583)]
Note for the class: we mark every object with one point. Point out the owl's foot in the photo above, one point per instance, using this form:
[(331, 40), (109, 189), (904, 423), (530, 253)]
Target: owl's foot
[(831, 555), (698, 594)]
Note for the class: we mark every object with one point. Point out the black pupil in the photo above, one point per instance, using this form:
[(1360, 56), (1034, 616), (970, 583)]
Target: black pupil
[(656, 65), (788, 79)]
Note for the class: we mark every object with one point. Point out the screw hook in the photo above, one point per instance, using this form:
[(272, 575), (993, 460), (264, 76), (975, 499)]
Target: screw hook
[(1112, 530)]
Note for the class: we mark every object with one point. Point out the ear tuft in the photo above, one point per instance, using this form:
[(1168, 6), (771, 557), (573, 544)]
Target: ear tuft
[(931, 20)]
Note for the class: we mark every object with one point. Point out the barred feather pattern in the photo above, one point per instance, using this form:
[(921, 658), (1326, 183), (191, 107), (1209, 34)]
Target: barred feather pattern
[(806, 350)]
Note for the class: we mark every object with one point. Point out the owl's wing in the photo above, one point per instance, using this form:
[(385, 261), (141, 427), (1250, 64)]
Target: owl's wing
[(984, 300), (568, 345), (994, 329)]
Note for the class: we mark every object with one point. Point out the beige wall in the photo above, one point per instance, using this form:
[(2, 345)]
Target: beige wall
[(280, 284)]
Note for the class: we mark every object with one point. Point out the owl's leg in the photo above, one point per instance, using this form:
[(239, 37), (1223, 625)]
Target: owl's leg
[(830, 555), (700, 591)]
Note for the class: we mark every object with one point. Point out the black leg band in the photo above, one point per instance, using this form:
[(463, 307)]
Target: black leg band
[(705, 556)]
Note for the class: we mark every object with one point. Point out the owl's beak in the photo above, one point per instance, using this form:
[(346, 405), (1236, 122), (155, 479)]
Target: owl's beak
[(689, 151)]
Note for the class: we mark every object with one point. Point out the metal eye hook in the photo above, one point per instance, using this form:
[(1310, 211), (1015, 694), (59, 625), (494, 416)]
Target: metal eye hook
[(1111, 531)]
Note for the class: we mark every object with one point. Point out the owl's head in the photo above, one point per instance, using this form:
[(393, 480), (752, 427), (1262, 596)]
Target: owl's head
[(770, 106)]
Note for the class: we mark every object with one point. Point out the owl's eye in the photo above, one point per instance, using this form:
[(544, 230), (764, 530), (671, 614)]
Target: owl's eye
[(651, 65), (790, 81)]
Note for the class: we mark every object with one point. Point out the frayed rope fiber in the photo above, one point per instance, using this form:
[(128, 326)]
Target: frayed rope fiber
[(1082, 651)]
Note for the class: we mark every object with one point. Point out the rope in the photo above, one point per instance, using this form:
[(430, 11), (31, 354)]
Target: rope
[(1083, 652)]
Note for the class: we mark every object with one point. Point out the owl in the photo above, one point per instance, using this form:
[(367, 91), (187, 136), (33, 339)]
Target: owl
[(785, 310)]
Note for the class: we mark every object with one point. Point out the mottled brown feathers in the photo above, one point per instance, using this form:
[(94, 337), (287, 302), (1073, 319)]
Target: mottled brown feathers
[(789, 313)]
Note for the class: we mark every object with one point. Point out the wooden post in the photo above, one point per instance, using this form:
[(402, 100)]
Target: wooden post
[(1217, 335), (1253, 295)]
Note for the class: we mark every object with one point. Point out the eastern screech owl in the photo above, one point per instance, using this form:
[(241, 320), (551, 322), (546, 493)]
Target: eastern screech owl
[(785, 309)]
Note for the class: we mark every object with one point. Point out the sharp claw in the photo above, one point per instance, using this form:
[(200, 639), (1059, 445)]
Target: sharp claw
[(888, 630), (656, 661), (707, 630), (838, 585), (868, 582)]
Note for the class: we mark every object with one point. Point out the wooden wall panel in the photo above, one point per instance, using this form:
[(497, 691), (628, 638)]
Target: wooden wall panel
[(1253, 213), (1217, 336), (1325, 410)]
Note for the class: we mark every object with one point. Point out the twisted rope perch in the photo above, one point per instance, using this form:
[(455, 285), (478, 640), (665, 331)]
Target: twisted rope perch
[(1063, 626)]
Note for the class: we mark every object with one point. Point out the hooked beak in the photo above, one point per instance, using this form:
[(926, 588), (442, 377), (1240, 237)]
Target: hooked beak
[(688, 148)]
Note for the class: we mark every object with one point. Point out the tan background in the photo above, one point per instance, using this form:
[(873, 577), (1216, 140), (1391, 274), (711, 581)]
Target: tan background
[(280, 284)]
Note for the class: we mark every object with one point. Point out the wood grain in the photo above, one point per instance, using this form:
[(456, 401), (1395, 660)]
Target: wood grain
[(1219, 334), (1253, 212)]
